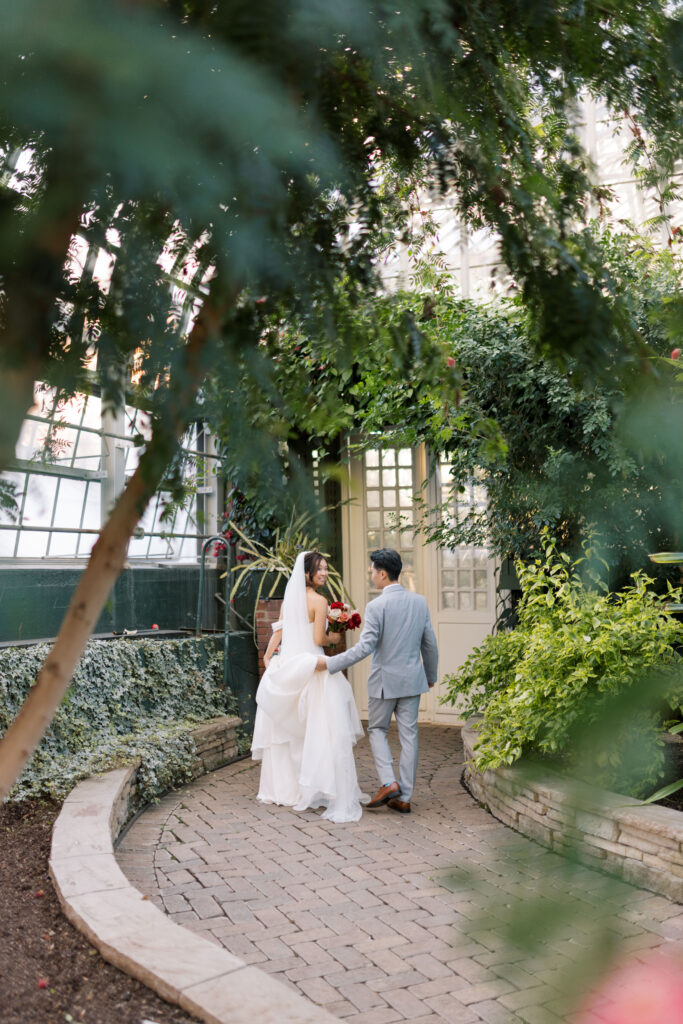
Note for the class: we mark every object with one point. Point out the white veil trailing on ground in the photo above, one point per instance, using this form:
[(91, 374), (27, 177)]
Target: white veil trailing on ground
[(296, 629)]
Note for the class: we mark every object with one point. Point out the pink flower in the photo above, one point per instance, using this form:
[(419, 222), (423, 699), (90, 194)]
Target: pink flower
[(648, 991), (450, 363)]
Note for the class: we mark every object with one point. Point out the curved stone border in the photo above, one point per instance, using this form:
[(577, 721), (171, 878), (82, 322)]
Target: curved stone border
[(134, 935), (641, 844)]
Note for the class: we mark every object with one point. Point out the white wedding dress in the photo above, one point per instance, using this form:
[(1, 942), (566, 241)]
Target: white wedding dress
[(306, 722)]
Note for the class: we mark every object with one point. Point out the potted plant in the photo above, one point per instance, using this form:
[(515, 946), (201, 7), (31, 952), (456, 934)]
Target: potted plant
[(272, 567)]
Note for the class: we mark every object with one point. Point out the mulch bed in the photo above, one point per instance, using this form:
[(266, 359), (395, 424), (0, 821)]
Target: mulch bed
[(49, 972)]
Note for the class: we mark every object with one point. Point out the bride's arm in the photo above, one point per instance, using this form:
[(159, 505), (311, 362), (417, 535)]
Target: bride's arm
[(273, 645)]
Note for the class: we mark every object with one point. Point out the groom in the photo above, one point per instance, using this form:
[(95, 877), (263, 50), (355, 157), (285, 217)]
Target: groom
[(399, 635)]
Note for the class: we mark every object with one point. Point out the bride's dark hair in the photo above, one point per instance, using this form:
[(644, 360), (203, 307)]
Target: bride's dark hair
[(312, 562)]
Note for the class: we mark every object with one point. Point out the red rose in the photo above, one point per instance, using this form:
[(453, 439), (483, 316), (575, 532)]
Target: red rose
[(355, 621), (337, 604)]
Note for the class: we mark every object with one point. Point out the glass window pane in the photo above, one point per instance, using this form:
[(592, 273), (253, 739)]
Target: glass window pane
[(389, 457), (64, 544), (464, 557), (480, 579), (481, 601), (27, 443), (405, 457), (408, 560), (391, 539), (91, 517), (372, 458), (32, 544), (69, 502), (405, 477), (388, 477), (389, 499), (372, 498), (8, 539), (40, 498), (137, 547), (448, 599), (88, 451), (464, 579), (93, 413), (389, 520), (373, 519), (374, 539), (59, 445), (86, 543), (465, 601), (372, 477), (405, 496), (448, 578), (449, 557), (479, 496)]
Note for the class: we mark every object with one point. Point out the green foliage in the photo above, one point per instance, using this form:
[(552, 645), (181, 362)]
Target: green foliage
[(587, 676), (581, 456), (128, 699), (552, 446), (264, 155)]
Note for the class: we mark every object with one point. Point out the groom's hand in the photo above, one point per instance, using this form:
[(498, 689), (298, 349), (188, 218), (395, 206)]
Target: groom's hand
[(321, 665)]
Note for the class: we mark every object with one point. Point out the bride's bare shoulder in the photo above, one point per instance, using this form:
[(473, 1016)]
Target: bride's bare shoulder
[(315, 600)]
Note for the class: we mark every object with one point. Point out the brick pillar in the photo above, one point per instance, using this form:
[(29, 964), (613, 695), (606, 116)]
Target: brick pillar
[(267, 613)]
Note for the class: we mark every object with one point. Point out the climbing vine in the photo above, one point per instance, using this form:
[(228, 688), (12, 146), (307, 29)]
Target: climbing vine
[(128, 700)]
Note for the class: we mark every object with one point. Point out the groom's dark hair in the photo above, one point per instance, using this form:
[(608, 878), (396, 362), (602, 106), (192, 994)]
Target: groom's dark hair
[(389, 560)]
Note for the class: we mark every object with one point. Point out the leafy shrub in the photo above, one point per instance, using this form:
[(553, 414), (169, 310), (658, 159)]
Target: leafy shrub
[(128, 699), (587, 676)]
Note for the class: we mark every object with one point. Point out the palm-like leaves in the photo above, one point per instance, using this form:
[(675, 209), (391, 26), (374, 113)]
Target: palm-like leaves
[(277, 561)]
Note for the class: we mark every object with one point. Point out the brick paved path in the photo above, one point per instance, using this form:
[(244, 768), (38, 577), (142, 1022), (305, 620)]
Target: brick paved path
[(425, 917)]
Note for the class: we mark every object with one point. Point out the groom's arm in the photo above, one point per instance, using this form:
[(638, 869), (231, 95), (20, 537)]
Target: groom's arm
[(429, 651), (367, 643)]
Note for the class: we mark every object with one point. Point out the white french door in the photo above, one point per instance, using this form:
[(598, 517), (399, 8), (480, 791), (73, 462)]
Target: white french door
[(458, 584)]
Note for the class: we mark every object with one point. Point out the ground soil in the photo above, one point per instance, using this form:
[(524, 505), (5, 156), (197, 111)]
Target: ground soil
[(37, 942)]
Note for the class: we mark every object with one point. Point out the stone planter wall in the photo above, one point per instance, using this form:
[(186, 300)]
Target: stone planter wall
[(216, 742), (130, 932), (641, 844)]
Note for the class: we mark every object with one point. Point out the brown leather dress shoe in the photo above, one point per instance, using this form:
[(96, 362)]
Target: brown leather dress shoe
[(402, 806), (384, 795)]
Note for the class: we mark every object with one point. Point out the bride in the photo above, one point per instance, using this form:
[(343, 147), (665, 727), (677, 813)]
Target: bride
[(306, 721)]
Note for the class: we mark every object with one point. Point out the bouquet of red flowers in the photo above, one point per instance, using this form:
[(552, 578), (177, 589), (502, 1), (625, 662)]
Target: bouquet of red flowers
[(340, 618)]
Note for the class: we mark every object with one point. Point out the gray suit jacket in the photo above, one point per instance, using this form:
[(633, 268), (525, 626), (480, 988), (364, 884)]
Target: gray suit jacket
[(399, 635)]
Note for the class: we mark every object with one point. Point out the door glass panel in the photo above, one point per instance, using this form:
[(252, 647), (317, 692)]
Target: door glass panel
[(387, 509), (464, 572)]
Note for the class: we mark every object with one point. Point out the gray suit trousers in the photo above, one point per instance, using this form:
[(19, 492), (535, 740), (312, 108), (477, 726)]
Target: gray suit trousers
[(380, 710)]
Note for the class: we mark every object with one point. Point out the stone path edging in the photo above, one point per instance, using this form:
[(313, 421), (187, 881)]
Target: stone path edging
[(641, 844), (134, 935)]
